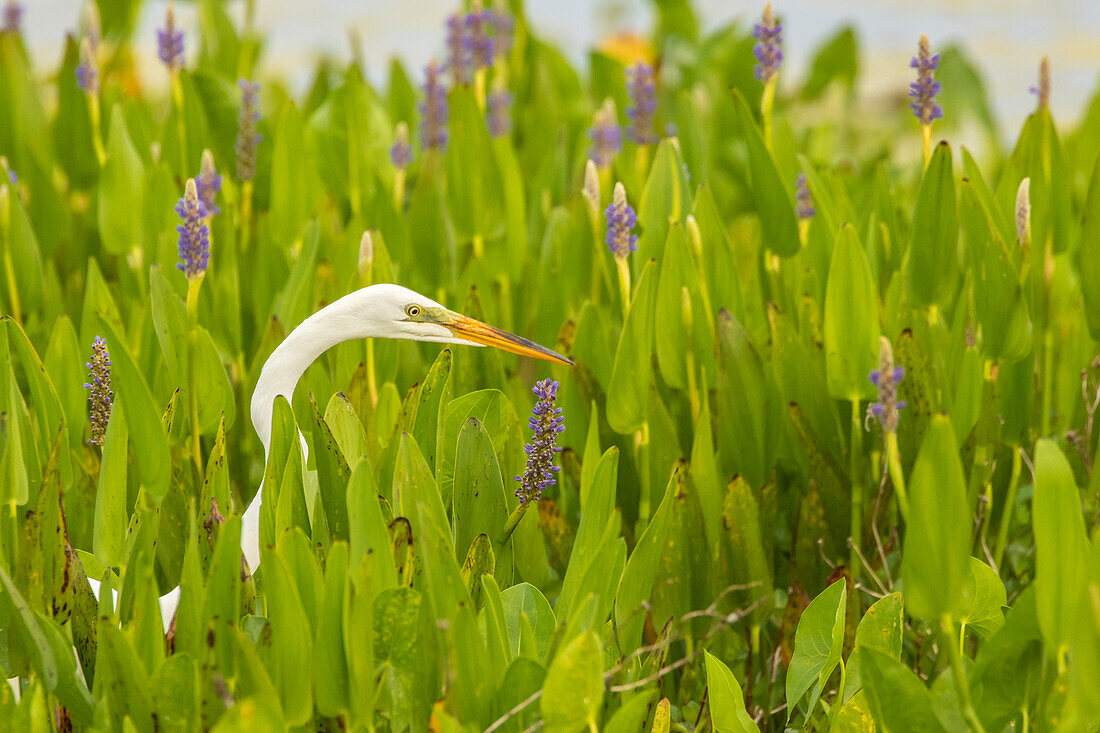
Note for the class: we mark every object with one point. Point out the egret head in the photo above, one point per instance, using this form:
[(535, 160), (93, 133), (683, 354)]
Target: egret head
[(397, 312)]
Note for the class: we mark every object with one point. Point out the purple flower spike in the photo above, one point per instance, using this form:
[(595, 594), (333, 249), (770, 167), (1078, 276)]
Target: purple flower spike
[(247, 137), (170, 42), (621, 219), (499, 114), (194, 244), (606, 136), (546, 421), (924, 89), (886, 378), (504, 28), (87, 76), (643, 99), (100, 396), (13, 17), (401, 152), (209, 184), (767, 51), (459, 50), (803, 202), (479, 22), (433, 110)]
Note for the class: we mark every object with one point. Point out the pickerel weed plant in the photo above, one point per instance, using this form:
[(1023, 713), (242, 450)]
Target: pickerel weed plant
[(818, 452)]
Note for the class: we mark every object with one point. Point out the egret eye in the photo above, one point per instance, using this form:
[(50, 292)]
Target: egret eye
[(412, 311)]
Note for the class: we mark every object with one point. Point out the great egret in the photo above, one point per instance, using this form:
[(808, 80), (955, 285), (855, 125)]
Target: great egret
[(376, 311)]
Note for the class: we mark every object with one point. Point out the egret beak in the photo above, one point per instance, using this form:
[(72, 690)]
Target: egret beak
[(482, 333)]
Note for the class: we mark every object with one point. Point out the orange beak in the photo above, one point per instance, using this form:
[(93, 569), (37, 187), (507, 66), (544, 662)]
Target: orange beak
[(486, 335)]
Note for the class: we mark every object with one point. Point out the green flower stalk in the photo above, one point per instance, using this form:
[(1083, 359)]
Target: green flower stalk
[(170, 52), (366, 277), (100, 396)]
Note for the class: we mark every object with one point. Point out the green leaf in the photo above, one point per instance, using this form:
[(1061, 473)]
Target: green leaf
[(880, 629), (727, 703), (289, 656), (773, 195), (1061, 548), (633, 368), (111, 519), (666, 200), (835, 59), (573, 693), (1089, 251), (121, 192), (987, 597), (936, 554), (897, 698), (933, 244), (332, 475), (480, 505), (294, 182), (370, 541), (851, 320), (818, 642), (524, 602), (745, 406)]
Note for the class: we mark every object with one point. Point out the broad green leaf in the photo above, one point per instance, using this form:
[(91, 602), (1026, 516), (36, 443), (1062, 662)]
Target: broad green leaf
[(525, 601), (332, 475), (480, 505), (369, 539), (935, 563), (881, 629), (665, 200), (1089, 251), (745, 408), (818, 643), (573, 693), (294, 181), (851, 321), (986, 596), (111, 518), (121, 192), (1061, 548), (773, 195), (727, 703), (898, 699), (288, 659), (633, 369), (933, 243)]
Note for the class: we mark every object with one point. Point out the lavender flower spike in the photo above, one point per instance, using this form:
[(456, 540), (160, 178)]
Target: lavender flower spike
[(803, 202), (546, 421), (605, 134), (924, 89), (433, 110), (87, 76), (620, 221), (767, 51), (13, 16), (209, 183), (643, 99), (401, 152), (459, 50), (504, 29), (886, 378), (194, 245), (498, 115), (100, 396), (247, 137), (479, 22), (170, 42)]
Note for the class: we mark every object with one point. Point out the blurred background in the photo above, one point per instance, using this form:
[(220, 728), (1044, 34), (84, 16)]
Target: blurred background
[(1004, 39)]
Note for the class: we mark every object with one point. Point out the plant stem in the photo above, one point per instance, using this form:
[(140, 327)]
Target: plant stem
[(767, 103), (958, 672), (193, 285), (1009, 507), (893, 462), (624, 284), (926, 142), (513, 522), (856, 529)]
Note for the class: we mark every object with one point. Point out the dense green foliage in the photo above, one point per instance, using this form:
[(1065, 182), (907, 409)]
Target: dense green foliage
[(732, 541)]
